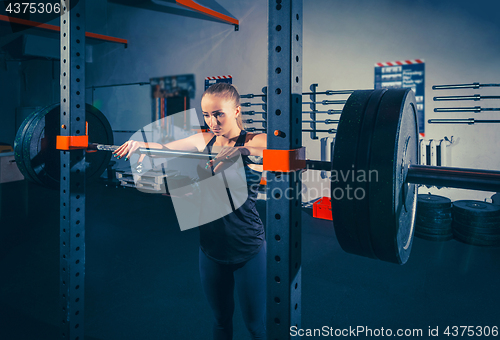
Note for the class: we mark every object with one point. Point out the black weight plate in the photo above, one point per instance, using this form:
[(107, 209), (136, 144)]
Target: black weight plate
[(486, 229), (475, 240), (40, 157), (33, 128), (18, 145), (476, 208), (474, 219), (352, 237), (433, 231), (393, 201), (432, 201), (496, 198), (439, 219), (428, 237)]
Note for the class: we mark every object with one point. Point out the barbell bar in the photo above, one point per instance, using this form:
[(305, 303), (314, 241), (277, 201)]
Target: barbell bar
[(463, 86), (330, 112), (463, 178), (475, 97), (476, 109), (469, 121), (326, 102)]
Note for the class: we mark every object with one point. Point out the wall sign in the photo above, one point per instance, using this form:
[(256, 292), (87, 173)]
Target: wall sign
[(404, 74)]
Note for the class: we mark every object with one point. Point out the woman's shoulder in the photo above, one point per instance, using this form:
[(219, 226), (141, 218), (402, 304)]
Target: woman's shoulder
[(256, 139), (200, 139)]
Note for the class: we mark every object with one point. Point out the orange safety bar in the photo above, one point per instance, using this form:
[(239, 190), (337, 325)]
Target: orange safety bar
[(73, 142), (284, 160), (199, 8), (57, 29)]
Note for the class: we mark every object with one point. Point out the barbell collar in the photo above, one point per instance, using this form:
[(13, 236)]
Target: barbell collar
[(462, 178)]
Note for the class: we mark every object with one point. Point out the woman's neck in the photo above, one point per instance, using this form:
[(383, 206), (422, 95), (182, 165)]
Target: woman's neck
[(229, 136)]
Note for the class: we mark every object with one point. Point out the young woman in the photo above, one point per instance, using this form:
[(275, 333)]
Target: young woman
[(233, 248)]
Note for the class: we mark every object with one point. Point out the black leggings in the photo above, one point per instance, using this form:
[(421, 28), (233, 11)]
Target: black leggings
[(218, 282)]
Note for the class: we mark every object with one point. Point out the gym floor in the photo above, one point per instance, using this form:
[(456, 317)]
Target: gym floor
[(142, 277)]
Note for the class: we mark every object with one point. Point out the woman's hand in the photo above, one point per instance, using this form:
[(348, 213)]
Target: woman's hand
[(225, 158), (128, 148)]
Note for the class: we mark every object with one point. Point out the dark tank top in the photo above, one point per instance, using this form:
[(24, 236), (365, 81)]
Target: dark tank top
[(238, 236)]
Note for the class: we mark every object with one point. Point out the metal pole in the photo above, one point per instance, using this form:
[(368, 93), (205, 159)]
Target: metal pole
[(72, 188), (283, 234)]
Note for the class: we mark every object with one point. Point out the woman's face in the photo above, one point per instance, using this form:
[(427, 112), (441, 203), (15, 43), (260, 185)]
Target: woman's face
[(219, 113)]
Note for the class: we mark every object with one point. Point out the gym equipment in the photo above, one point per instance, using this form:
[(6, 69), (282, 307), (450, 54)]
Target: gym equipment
[(469, 121), (476, 222), (463, 86), (35, 145), (326, 102), (476, 109), (377, 136), (330, 112), (475, 97), (433, 221), (496, 199)]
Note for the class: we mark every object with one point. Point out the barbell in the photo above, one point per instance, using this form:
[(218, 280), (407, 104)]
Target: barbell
[(374, 168)]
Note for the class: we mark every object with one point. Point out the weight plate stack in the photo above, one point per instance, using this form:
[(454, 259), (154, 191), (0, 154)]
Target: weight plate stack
[(433, 221), (35, 145), (476, 222), (373, 206)]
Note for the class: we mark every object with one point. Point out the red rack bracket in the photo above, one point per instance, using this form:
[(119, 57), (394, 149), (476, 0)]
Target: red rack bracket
[(284, 160), (73, 142)]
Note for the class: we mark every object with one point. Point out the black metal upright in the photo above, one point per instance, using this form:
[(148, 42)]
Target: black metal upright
[(72, 201), (284, 187)]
